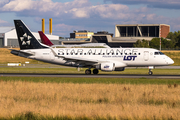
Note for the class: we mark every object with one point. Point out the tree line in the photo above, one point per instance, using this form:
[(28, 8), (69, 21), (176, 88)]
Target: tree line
[(172, 41)]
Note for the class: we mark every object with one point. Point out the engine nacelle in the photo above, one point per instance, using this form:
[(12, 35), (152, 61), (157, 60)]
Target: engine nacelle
[(120, 69), (106, 67)]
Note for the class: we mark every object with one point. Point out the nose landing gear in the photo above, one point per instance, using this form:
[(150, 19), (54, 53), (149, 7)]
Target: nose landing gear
[(150, 70)]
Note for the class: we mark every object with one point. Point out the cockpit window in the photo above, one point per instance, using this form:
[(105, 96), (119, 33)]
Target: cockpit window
[(161, 53), (158, 53)]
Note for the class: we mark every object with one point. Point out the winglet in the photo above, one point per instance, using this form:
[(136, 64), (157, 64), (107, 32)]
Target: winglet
[(44, 39)]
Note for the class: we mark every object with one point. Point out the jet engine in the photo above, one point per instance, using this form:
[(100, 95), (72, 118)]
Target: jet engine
[(106, 67)]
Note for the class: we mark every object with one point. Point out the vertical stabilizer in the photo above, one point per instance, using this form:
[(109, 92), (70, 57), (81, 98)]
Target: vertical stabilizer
[(25, 37), (44, 39)]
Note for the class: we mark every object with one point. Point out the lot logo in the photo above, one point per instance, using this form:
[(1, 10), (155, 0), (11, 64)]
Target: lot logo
[(106, 66), (129, 58)]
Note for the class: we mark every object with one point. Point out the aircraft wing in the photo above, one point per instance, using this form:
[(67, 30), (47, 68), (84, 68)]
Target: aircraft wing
[(82, 60)]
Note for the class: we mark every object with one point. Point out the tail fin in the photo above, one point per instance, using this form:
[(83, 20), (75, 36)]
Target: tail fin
[(44, 39), (25, 37)]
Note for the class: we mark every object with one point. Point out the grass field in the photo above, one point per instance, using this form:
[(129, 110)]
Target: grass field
[(68, 100), (7, 57), (37, 98), (141, 71)]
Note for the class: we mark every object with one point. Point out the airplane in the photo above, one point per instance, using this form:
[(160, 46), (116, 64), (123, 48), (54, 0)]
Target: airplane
[(46, 41), (104, 59)]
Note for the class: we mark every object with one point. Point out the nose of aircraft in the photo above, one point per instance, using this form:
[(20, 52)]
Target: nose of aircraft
[(170, 61)]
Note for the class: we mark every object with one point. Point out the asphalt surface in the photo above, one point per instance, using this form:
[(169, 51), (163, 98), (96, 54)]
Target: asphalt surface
[(86, 76), (90, 76)]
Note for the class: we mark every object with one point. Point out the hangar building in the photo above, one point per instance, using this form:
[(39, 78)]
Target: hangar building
[(8, 37)]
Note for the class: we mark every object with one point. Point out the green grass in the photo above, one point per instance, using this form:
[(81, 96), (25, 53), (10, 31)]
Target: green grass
[(92, 80), (141, 71)]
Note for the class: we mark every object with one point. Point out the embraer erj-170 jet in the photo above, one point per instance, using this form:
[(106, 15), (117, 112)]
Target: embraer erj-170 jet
[(105, 59)]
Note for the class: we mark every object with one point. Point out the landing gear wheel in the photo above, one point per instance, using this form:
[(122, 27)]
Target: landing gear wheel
[(88, 72), (150, 72), (95, 71)]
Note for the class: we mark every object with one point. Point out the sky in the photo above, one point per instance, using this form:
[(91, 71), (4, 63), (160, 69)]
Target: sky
[(92, 15)]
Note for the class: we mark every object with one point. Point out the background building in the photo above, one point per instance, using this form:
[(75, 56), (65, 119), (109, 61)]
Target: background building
[(142, 31), (8, 37), (81, 34), (104, 33), (127, 35)]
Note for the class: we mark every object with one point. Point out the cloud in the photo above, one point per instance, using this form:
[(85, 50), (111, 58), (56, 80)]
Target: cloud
[(166, 4), (81, 14), (61, 29), (4, 23), (17, 5), (74, 9)]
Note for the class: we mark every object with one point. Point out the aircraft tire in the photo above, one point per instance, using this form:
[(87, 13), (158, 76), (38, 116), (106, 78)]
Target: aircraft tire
[(150, 72), (95, 71), (88, 72)]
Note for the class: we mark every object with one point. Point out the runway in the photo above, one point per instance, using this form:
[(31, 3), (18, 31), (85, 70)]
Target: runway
[(91, 76)]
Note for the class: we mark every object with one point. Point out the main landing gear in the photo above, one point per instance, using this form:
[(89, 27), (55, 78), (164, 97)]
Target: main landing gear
[(88, 71)]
